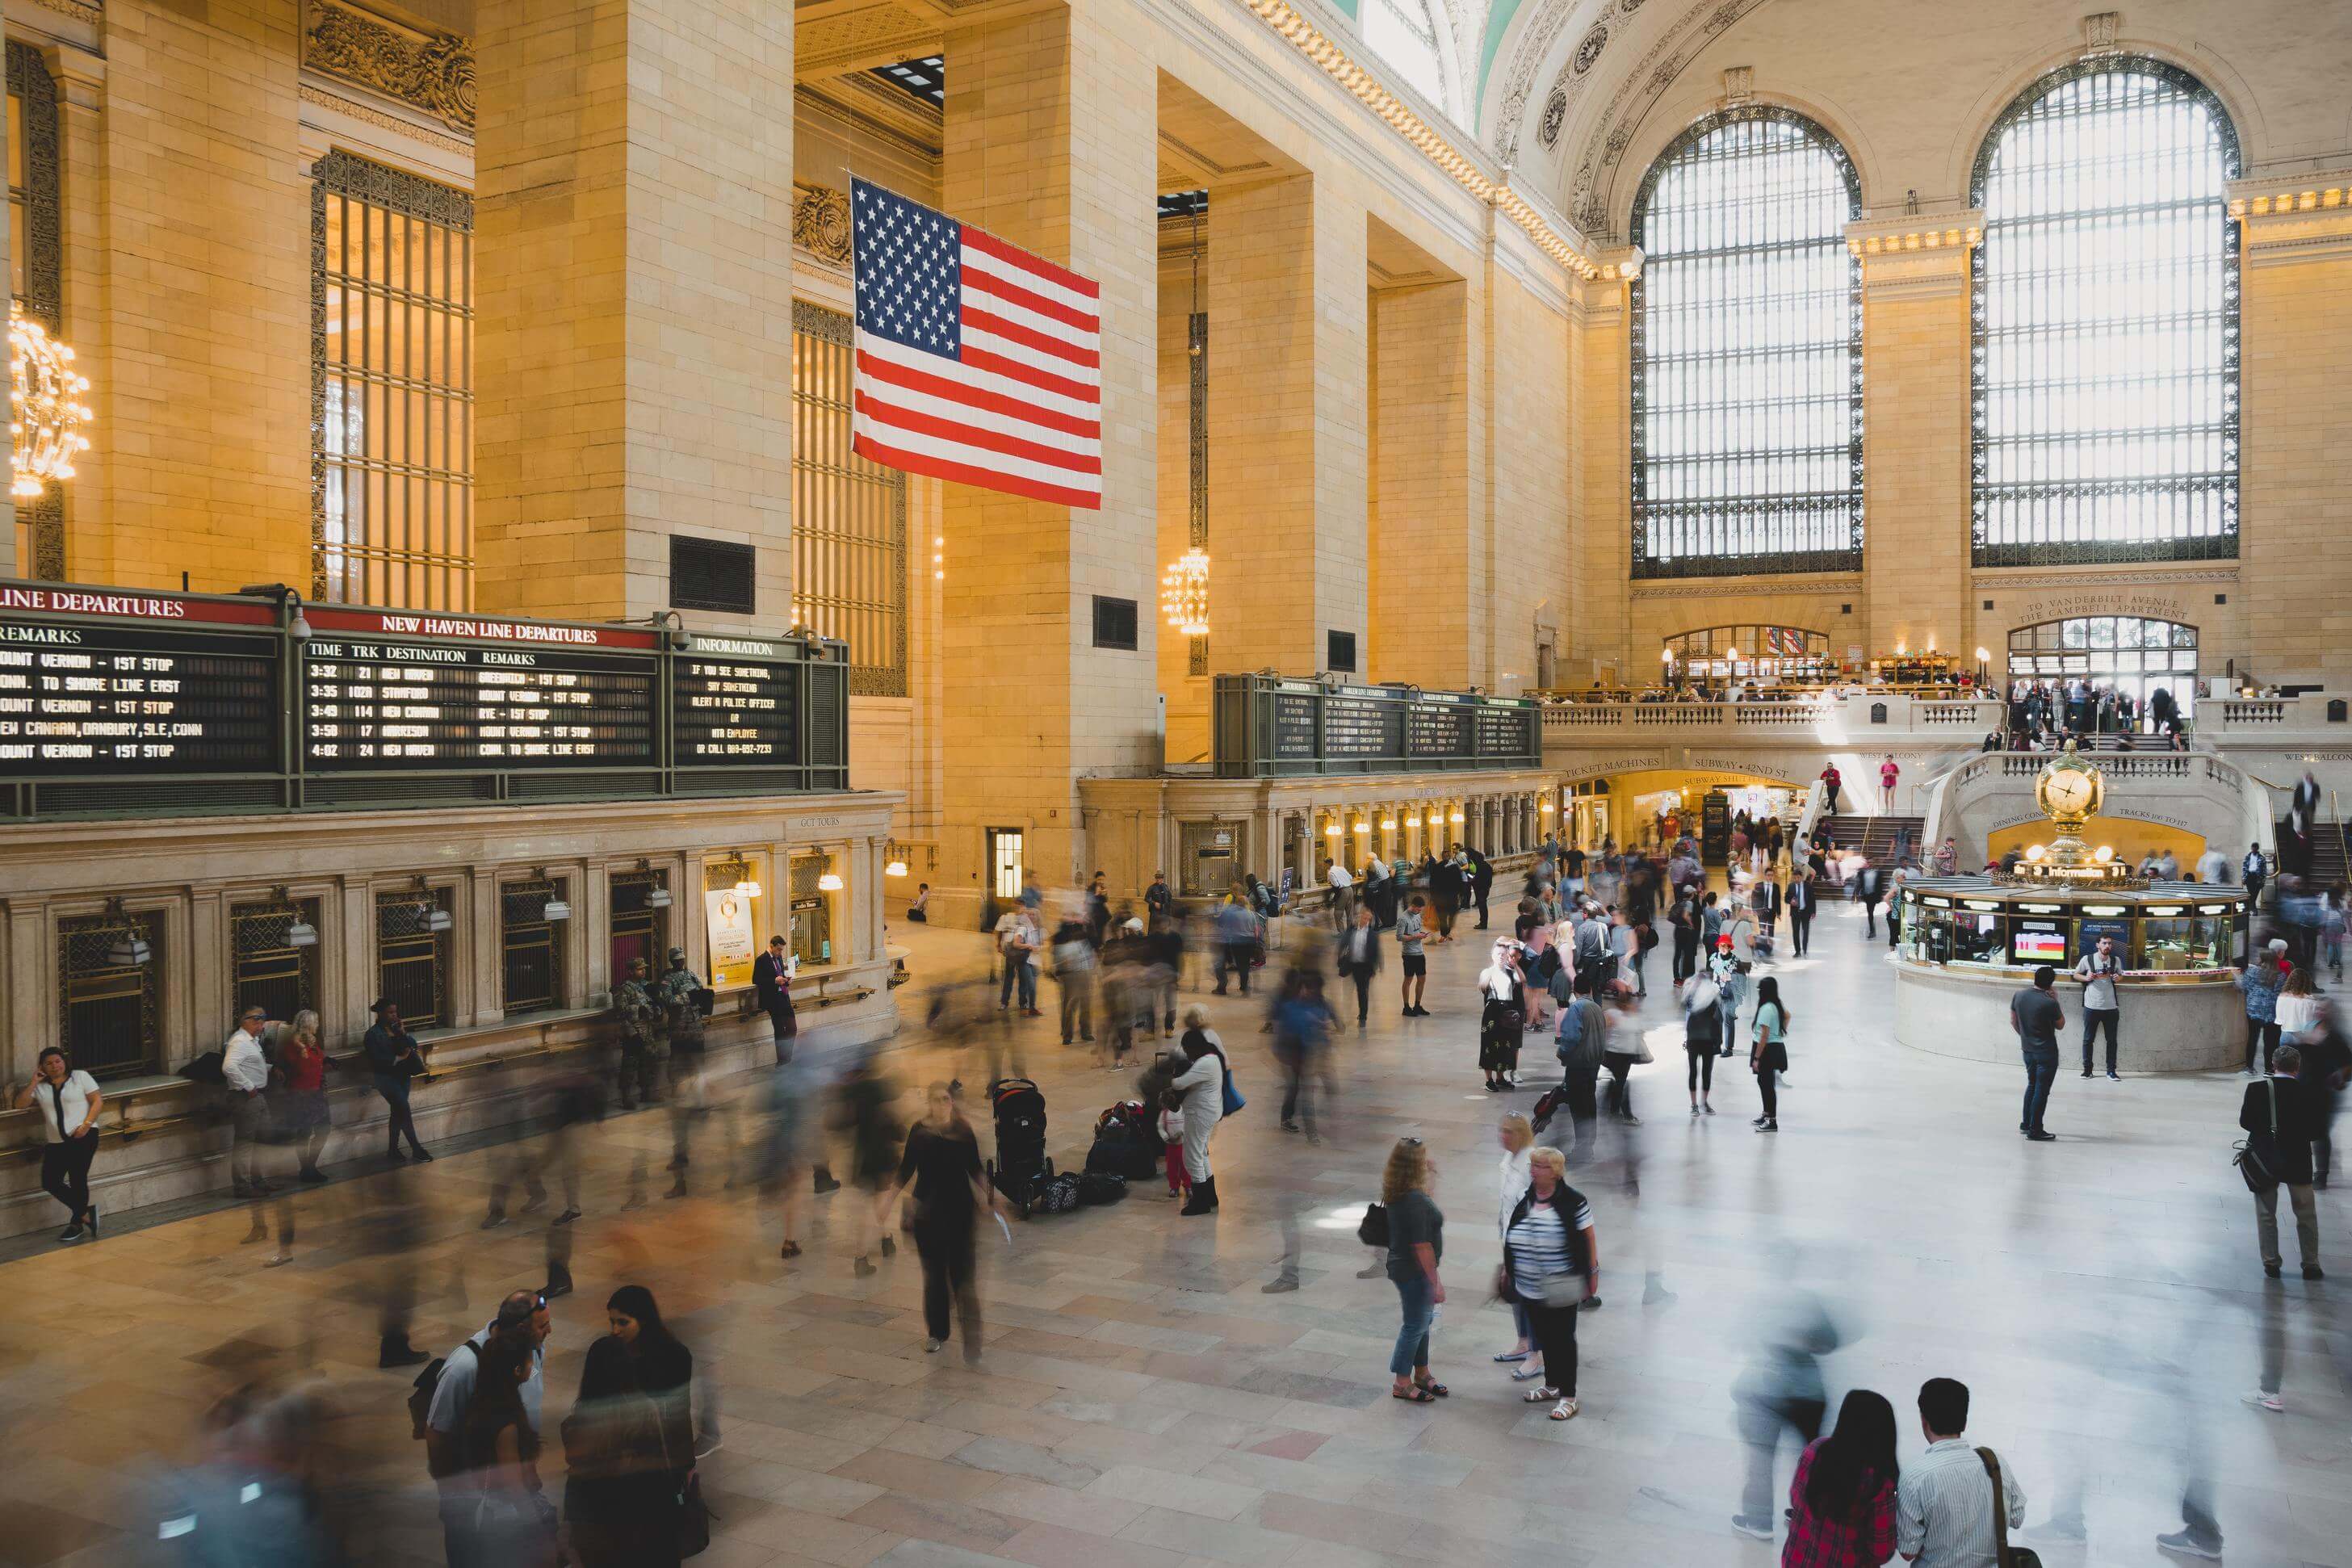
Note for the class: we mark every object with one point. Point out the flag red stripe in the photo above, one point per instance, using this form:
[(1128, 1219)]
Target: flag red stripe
[(982, 240), (965, 473), (975, 435), (989, 283), (880, 369), (1029, 338), (1020, 369)]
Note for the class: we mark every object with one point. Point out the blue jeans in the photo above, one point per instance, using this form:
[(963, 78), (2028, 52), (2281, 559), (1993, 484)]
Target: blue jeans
[(2041, 1071), (1412, 1336)]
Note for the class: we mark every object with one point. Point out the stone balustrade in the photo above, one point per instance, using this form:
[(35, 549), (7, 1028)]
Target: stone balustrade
[(1858, 718)]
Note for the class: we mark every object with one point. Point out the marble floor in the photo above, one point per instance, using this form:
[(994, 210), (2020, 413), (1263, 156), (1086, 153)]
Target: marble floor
[(1144, 1400)]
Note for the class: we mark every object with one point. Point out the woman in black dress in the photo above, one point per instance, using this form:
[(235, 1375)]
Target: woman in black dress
[(629, 1440), (941, 1165), (1503, 1017)]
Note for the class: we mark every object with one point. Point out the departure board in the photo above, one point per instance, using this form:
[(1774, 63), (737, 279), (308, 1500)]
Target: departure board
[(1359, 726), (1504, 731), (731, 704), (1433, 731), (1294, 724), (101, 699), (368, 704)]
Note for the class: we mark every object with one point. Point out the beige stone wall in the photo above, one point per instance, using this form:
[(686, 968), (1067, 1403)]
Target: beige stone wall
[(1916, 487), (189, 260), (1426, 551), (1535, 549), (634, 288)]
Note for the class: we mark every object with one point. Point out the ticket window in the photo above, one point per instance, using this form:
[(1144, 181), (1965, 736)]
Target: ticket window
[(1208, 868), (111, 1013), (413, 955), (531, 945), (272, 972), (811, 938), (640, 925)]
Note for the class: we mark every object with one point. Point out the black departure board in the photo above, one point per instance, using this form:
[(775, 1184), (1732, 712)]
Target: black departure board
[(1294, 724), (1504, 731), (101, 699), (730, 706), (1438, 731), (369, 705), (1359, 726)]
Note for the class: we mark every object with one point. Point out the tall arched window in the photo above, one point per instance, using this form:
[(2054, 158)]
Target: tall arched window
[(2106, 319), (1405, 33), (1747, 352)]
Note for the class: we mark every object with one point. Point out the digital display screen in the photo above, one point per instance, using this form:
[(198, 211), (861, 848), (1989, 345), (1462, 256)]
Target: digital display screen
[(97, 698), (2038, 942), (728, 708), (370, 705)]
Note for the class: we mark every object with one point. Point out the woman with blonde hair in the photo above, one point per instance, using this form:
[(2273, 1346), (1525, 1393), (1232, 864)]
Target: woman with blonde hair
[(302, 1092), (1551, 1265), (1416, 1245)]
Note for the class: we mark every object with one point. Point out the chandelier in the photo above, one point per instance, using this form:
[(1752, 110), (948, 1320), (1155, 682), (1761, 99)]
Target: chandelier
[(1184, 594), (44, 411)]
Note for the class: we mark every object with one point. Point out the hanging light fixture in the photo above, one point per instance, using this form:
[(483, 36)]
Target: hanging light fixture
[(829, 883), (130, 949), (45, 413), (1184, 593), (558, 907), (300, 933)]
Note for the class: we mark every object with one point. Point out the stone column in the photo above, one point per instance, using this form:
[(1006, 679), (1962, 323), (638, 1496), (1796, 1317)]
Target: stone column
[(483, 930), (1601, 463), (1050, 143), (1425, 620), (1286, 425), (1914, 346), (2296, 304), (634, 296)]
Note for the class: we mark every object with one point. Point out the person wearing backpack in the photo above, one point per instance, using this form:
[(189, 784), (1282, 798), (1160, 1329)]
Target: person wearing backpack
[(1702, 1002), (448, 1387), (2277, 1116)]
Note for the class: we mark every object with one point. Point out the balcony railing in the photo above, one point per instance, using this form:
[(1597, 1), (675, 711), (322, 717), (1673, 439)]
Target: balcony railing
[(1855, 717)]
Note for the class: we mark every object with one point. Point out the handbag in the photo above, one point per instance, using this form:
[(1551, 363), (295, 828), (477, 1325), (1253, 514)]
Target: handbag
[(2259, 1173), (2006, 1555), (694, 1516), (1374, 1231), (1233, 1100)]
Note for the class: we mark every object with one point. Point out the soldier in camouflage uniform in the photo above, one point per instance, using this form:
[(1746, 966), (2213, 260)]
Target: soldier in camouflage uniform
[(642, 1026), (682, 1018)]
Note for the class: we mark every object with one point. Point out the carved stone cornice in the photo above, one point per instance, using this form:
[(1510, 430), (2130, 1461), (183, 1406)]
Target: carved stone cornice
[(1913, 257), (433, 72), (821, 223), (319, 96), (2290, 221)]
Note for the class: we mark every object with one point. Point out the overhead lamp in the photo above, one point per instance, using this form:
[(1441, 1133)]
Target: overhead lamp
[(1983, 657), (1547, 805), (748, 887), (894, 868), (1388, 825), (1330, 830), (1666, 654), (301, 933), (130, 949), (2036, 851), (1362, 826), (2104, 853), (657, 896), (1435, 819), (1459, 817), (437, 919), (829, 883)]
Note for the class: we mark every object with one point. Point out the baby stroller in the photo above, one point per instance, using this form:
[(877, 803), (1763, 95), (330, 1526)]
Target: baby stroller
[(1020, 1169)]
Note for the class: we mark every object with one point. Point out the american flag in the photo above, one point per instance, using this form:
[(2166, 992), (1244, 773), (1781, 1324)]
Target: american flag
[(976, 362)]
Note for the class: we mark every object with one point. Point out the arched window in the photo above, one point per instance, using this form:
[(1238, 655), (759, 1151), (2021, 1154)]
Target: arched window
[(1747, 352), (2106, 322), (1404, 34)]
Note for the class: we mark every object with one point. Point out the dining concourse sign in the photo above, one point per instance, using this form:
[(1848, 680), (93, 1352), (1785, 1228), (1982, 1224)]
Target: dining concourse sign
[(116, 703)]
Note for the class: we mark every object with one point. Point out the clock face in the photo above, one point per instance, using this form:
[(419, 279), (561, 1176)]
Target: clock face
[(2066, 793)]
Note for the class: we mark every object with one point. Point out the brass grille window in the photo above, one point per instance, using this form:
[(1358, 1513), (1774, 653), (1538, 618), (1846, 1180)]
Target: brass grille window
[(849, 516), (532, 978), (640, 926), (811, 933), (111, 1021), (269, 970), (412, 954), (392, 369)]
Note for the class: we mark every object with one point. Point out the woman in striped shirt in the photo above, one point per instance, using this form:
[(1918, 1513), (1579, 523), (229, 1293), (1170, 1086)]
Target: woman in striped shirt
[(1551, 1262)]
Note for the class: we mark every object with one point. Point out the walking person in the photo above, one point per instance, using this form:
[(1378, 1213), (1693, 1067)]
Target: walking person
[(1073, 978), (1237, 928), (1870, 885), (522, 1325), (1551, 1267), (1416, 1248), (1803, 899), (2298, 1007), (1683, 919), (1955, 1507), (863, 1108), (2327, 1066), (629, 1441), (245, 1072), (1887, 773), (68, 1101), (1302, 1021), (2261, 979), (1768, 1051), (2255, 869), (394, 1058), (1412, 931), (1842, 1500), (1203, 1086), (512, 1525), (1622, 1051), (2037, 1017), (1582, 1047), (1702, 1003), (1359, 958), (2277, 1116), (1446, 889), (1780, 1393), (941, 1167), (1482, 881), (2097, 971), (1516, 1137)]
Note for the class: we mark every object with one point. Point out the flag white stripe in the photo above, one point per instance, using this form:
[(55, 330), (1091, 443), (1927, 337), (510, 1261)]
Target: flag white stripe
[(1035, 282), (975, 457), (982, 418), (1022, 316), (882, 348), (1090, 375)]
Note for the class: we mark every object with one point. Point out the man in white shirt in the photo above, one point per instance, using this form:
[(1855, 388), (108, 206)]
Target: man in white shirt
[(2213, 866), (1343, 894), (523, 1313), (1378, 892), (1944, 1504), (246, 1073)]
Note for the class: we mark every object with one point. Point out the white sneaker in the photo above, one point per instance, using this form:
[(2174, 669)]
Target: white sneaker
[(2270, 1402)]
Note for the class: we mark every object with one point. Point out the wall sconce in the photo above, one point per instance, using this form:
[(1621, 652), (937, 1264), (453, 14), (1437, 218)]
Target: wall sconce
[(894, 868), (1330, 830), (437, 919), (557, 907), (656, 896), (830, 882), (1546, 806), (1435, 819), (130, 949), (301, 932), (1388, 825), (745, 883), (1457, 816), (1362, 826)]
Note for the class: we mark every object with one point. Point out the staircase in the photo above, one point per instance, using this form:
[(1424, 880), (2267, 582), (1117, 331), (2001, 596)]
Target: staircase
[(1875, 836), (2329, 861)]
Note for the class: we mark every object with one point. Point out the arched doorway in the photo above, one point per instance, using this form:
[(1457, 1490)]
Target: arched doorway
[(2130, 653), (1749, 652)]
